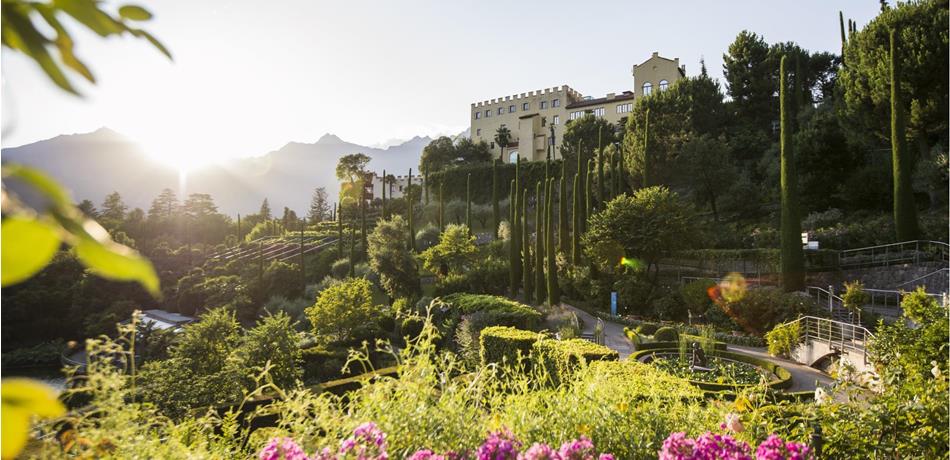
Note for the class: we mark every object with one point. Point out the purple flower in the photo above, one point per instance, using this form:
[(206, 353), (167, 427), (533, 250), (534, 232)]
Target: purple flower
[(425, 454), (708, 446), (578, 449), (367, 443), (539, 451), (774, 448), (282, 449), (500, 445), (677, 447)]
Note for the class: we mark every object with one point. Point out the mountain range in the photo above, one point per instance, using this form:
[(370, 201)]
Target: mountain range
[(92, 165)]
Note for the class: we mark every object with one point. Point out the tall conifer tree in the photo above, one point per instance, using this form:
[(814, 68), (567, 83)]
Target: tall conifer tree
[(905, 212), (496, 213), (412, 226), (562, 232), (793, 269), (538, 245), (526, 250), (553, 290)]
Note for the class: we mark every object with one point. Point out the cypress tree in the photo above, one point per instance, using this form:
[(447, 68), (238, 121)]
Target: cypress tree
[(581, 163), (588, 199), (576, 231), (495, 212), (562, 232), (513, 252), (468, 202), (511, 204), (905, 212), (339, 230), (793, 269), (239, 229), (363, 223), (538, 246), (844, 40), (383, 210), (516, 223), (526, 248), (412, 227), (647, 167), (441, 208), (554, 291), (352, 273), (601, 189), (425, 182)]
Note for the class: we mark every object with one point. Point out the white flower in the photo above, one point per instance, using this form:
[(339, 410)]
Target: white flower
[(821, 397), (733, 423), (935, 370)]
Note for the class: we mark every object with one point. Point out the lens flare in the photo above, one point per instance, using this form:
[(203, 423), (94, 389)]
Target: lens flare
[(632, 263), (733, 287)]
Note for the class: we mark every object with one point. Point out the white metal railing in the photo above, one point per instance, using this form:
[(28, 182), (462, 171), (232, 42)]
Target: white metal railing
[(914, 251), (944, 274), (837, 334), (827, 298)]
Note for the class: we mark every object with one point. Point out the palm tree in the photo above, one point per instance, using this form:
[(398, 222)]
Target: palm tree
[(503, 139)]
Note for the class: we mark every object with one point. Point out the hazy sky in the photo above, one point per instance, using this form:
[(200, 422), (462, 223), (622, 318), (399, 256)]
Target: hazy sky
[(250, 76)]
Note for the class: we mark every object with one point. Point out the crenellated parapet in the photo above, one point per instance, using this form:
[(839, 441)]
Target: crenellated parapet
[(562, 90)]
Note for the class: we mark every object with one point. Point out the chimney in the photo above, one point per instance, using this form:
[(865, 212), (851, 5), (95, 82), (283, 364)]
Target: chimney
[(656, 53)]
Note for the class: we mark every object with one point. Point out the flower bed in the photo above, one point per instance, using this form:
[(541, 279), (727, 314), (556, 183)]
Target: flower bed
[(722, 371), (779, 378)]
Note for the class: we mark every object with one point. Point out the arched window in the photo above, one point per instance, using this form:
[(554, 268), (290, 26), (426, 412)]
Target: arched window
[(647, 88), (513, 157), (664, 85)]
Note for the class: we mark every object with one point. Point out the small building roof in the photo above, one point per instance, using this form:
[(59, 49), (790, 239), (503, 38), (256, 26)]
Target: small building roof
[(624, 96)]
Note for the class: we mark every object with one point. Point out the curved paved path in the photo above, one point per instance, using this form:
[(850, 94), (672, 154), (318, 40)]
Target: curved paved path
[(804, 378)]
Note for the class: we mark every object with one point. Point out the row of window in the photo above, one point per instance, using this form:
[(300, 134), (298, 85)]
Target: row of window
[(554, 120), (648, 87), (524, 107)]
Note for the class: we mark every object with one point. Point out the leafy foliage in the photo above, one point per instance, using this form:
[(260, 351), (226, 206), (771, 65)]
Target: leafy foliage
[(343, 311), (390, 257)]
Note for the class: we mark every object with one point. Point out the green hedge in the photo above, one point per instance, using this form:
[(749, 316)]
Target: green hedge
[(499, 344), (561, 358), (514, 313), (639, 343), (666, 334), (782, 377)]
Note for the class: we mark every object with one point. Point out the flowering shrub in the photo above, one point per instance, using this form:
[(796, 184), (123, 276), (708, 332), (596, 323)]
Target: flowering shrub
[(369, 443), (710, 446)]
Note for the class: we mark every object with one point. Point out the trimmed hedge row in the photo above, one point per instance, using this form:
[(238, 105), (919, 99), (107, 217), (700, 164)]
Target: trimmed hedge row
[(782, 377), (638, 344), (559, 358), (650, 328), (499, 344)]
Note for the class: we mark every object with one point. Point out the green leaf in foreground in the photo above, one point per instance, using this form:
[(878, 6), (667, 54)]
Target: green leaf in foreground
[(117, 262), (28, 245), (134, 13)]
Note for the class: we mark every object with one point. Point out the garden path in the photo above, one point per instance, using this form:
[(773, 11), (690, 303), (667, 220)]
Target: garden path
[(803, 377)]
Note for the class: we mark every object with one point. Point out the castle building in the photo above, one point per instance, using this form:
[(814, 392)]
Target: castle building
[(533, 117)]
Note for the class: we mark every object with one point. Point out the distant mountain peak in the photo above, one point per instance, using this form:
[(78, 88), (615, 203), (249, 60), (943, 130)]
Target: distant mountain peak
[(329, 139)]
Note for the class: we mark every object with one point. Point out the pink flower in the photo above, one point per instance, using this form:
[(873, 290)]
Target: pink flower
[(425, 454), (578, 449), (500, 445), (709, 446), (774, 448), (539, 451), (282, 449)]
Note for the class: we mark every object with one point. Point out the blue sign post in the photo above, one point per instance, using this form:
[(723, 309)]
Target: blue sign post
[(613, 303)]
